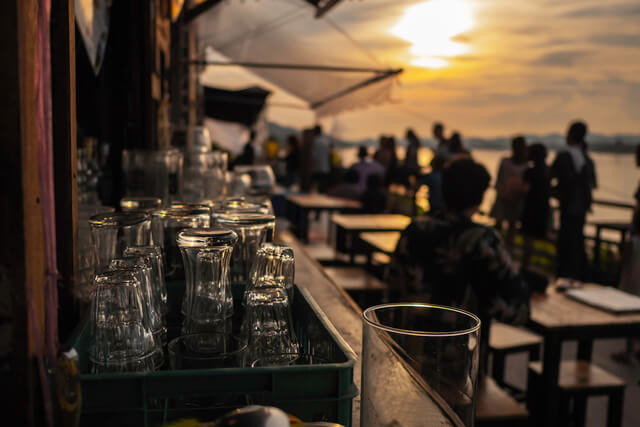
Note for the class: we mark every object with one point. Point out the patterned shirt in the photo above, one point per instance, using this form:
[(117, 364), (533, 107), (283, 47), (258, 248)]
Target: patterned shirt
[(454, 261)]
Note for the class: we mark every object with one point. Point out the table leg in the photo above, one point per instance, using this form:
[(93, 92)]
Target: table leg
[(352, 247), (303, 223), (585, 352), (596, 247), (550, 373)]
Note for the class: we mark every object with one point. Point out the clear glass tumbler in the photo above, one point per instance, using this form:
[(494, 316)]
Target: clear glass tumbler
[(208, 302), (140, 269), (168, 174), (112, 233), (277, 262), (206, 351), (252, 230), (121, 338), (167, 223), (439, 346), (153, 254), (267, 325)]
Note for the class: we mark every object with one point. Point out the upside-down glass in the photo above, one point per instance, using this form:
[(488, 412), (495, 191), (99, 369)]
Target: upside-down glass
[(154, 254), (438, 345), (85, 255), (276, 261), (167, 223), (267, 325), (208, 302), (141, 203), (206, 351), (252, 230), (140, 269), (121, 338), (168, 174), (112, 233)]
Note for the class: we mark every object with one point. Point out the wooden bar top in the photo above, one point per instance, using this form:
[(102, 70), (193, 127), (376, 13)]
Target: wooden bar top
[(322, 201), (371, 222), (411, 405)]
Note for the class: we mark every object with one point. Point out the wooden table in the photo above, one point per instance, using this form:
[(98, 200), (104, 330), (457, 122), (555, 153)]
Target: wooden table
[(559, 318), (401, 402), (347, 228), (300, 205)]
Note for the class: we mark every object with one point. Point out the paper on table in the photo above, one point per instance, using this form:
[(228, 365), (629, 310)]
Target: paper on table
[(605, 298)]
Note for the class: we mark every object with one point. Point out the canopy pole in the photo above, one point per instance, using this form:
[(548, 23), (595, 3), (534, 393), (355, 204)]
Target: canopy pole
[(304, 67), (356, 87), (197, 10)]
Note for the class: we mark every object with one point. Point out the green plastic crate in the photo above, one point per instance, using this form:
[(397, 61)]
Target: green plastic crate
[(319, 392)]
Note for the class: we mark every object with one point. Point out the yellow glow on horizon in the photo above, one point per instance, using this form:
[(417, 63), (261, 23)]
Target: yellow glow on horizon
[(430, 27)]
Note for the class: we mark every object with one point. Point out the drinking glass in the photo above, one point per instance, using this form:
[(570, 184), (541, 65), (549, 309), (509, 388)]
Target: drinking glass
[(85, 255), (137, 169), (275, 261), (140, 268), (206, 351), (438, 345), (267, 325), (121, 337), (252, 230), (112, 233), (153, 254), (167, 223), (141, 203), (208, 302), (168, 174), (236, 205)]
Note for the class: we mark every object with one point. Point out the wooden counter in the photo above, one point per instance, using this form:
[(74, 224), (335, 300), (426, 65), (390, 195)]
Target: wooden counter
[(402, 403)]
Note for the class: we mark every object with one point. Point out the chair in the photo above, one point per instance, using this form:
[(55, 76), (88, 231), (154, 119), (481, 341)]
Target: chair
[(577, 381), (505, 340), (495, 407)]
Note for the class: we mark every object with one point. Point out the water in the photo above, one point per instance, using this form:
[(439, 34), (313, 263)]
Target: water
[(617, 178)]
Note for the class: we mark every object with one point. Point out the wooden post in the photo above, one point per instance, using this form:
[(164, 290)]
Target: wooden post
[(63, 97), (22, 248)]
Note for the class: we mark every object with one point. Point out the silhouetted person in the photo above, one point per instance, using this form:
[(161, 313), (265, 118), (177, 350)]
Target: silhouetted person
[(433, 181), (366, 167), (374, 199), (248, 153), (348, 189), (456, 148), (321, 160), (574, 174), (450, 260), (292, 161), (411, 165), (536, 213), (392, 171), (630, 275), (442, 149), (510, 189)]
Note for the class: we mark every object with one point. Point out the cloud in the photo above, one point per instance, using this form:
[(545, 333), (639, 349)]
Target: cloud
[(561, 58), (628, 40), (620, 10)]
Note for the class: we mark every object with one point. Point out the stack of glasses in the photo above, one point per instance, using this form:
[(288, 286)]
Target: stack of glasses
[(134, 250)]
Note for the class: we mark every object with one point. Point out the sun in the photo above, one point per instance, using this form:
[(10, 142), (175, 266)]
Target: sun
[(430, 27)]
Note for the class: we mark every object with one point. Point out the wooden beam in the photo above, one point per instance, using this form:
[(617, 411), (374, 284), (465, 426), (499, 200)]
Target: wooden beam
[(326, 7), (197, 10), (22, 248), (63, 97)]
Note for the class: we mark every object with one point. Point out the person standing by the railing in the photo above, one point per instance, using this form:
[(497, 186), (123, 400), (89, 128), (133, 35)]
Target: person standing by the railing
[(574, 175), (630, 276)]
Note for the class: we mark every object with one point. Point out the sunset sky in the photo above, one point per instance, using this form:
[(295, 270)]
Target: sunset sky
[(496, 67)]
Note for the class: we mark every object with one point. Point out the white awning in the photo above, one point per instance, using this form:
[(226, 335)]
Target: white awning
[(286, 33)]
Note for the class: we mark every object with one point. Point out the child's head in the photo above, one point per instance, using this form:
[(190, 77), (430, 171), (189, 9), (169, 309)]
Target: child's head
[(537, 153)]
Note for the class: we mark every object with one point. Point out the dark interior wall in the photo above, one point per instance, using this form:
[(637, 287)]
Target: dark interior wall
[(116, 106)]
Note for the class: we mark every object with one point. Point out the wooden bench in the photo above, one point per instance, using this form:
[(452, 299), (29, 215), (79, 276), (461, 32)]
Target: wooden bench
[(579, 379), (495, 407), (364, 288), (505, 340)]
